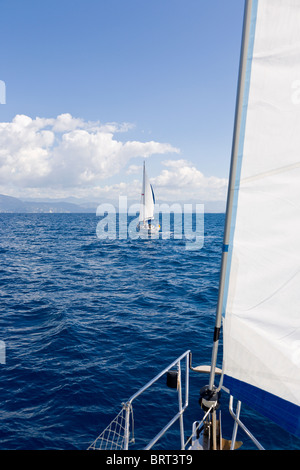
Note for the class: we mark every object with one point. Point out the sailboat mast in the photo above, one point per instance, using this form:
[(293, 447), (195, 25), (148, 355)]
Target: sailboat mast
[(143, 187), (241, 90)]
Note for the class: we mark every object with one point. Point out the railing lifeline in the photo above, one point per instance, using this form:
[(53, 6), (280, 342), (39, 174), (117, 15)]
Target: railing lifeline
[(237, 422), (182, 407)]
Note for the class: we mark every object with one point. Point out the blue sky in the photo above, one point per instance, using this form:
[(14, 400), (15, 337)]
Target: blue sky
[(167, 68)]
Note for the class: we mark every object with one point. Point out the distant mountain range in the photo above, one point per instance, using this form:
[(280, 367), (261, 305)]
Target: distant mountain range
[(9, 204)]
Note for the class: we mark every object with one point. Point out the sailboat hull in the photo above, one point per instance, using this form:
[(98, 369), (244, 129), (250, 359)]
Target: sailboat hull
[(146, 229)]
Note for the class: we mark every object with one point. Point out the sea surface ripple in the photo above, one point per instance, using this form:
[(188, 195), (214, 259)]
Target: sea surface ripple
[(87, 322)]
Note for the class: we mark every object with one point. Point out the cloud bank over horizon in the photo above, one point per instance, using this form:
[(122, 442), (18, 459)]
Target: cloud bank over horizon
[(67, 156)]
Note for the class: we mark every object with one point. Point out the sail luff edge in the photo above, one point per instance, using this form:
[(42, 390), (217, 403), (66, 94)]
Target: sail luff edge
[(244, 70)]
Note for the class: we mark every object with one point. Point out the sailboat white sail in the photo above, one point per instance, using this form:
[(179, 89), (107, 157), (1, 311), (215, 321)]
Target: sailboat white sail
[(260, 296), (147, 204), (147, 199)]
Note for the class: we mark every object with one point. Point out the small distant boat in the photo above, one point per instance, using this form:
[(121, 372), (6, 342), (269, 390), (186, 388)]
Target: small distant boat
[(147, 207)]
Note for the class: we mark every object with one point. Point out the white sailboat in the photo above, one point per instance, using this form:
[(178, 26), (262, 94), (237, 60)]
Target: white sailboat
[(147, 206), (259, 296)]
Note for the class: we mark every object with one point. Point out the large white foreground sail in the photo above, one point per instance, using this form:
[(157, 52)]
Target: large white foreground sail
[(260, 301)]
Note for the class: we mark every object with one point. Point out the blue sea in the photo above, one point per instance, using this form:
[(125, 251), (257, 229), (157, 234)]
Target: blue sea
[(86, 322)]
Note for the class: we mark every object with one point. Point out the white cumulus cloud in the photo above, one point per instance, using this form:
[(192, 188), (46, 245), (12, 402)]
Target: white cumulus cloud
[(181, 180), (66, 152), (63, 156)]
